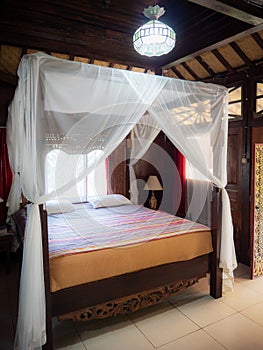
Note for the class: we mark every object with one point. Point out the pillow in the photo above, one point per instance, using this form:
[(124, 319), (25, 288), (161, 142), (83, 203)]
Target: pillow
[(59, 206), (110, 200)]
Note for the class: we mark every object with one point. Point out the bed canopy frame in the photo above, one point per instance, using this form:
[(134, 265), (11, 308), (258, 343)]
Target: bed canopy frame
[(76, 108)]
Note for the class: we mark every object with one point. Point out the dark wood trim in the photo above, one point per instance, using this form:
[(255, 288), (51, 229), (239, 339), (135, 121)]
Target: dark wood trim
[(258, 39), (216, 227), (223, 61), (158, 71), (205, 65), (23, 52), (44, 229), (241, 75), (180, 76), (241, 53), (235, 9), (189, 70)]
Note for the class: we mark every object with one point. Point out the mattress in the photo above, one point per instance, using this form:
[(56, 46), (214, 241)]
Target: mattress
[(92, 244)]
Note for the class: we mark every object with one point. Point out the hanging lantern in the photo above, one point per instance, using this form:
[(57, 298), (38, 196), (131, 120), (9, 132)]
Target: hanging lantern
[(154, 38)]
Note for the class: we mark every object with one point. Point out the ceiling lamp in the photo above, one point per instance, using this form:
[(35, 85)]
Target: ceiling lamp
[(154, 38)]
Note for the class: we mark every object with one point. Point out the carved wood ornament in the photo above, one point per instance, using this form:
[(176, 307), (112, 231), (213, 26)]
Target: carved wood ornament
[(129, 304), (258, 215)]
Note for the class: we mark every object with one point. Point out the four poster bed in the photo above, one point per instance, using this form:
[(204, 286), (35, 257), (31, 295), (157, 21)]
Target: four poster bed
[(77, 108)]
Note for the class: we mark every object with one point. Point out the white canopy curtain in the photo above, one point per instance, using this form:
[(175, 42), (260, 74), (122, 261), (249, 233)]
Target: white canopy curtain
[(77, 107), (143, 134)]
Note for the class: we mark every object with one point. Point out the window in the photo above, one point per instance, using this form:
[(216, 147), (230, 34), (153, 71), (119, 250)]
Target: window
[(61, 167), (235, 103), (259, 98)]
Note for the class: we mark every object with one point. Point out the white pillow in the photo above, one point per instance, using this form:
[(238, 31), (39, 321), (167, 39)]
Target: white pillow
[(59, 206), (110, 200)]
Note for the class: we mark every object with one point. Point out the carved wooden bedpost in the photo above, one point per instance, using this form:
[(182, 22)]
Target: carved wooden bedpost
[(44, 229), (216, 227)]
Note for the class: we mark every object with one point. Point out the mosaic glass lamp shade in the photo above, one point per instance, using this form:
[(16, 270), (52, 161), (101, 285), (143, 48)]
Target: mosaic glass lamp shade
[(154, 38)]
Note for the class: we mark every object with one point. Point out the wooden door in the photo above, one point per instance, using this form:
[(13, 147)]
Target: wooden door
[(234, 185)]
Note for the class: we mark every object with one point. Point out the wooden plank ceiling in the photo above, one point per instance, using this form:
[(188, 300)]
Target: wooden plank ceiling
[(214, 38)]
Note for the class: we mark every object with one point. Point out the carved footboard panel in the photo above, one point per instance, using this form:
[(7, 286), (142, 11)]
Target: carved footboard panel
[(129, 304)]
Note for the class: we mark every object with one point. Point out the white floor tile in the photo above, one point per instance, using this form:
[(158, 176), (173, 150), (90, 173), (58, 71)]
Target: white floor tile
[(162, 324), (198, 340), (75, 346), (242, 297), (111, 334), (242, 279), (255, 284), (206, 310), (65, 336), (204, 284), (255, 313), (237, 333), (188, 295)]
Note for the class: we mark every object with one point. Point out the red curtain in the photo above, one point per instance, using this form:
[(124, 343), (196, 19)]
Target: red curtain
[(6, 175), (181, 167)]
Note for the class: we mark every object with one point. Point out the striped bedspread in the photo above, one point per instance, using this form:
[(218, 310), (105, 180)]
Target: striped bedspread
[(88, 229)]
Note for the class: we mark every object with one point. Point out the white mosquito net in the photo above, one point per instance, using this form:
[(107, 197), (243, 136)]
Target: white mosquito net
[(77, 108)]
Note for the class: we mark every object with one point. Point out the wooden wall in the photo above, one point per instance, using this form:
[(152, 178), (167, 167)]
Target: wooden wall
[(240, 163), (6, 93), (159, 161)]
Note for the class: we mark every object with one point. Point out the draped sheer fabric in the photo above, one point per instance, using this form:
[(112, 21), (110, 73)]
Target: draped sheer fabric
[(76, 108), (143, 134)]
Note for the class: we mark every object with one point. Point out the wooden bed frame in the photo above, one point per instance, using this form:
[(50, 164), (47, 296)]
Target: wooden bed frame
[(132, 291)]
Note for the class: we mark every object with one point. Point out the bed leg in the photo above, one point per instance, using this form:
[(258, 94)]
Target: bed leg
[(43, 216), (216, 282), (49, 343), (215, 270)]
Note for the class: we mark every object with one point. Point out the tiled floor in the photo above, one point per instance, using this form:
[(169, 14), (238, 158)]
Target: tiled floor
[(191, 321)]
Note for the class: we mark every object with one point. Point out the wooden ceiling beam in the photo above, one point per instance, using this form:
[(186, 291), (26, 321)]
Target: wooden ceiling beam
[(180, 76), (158, 71), (237, 76), (214, 46), (205, 66), (235, 9), (241, 54), (222, 59), (258, 39), (190, 71)]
